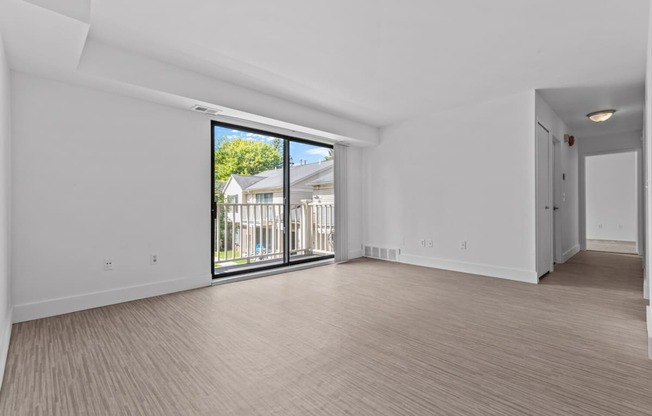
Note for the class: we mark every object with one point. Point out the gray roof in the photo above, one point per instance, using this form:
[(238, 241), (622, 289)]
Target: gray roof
[(246, 181), (273, 179), (267, 173), (325, 178)]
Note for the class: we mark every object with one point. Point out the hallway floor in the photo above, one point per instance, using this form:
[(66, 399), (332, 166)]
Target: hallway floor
[(612, 246), (363, 338)]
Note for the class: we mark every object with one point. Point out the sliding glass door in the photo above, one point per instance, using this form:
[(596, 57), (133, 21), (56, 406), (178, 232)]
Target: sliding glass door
[(312, 202), (272, 200)]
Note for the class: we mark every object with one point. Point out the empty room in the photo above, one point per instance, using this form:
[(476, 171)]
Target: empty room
[(325, 208)]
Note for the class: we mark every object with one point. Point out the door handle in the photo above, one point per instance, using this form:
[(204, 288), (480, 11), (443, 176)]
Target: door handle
[(555, 208)]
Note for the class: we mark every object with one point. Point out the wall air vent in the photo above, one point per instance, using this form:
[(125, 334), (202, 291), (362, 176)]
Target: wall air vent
[(381, 253), (206, 110)]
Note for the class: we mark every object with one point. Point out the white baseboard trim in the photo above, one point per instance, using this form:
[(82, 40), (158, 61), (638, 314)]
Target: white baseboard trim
[(59, 306), (649, 332), (471, 268), (5, 340), (355, 254), (570, 253)]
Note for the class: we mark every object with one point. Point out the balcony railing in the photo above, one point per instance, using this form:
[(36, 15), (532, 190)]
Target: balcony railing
[(247, 233)]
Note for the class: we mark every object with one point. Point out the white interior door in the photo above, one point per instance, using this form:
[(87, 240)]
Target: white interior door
[(558, 197), (544, 207)]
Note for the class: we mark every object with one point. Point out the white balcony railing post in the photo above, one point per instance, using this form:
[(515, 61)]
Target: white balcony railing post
[(306, 216)]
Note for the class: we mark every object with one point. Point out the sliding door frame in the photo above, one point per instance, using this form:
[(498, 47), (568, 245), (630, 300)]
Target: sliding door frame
[(286, 199)]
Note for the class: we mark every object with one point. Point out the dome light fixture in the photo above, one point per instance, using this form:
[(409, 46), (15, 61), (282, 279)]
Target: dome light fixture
[(600, 116)]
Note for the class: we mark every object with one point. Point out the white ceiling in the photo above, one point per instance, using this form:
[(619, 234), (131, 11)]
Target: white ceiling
[(375, 62), (573, 104)]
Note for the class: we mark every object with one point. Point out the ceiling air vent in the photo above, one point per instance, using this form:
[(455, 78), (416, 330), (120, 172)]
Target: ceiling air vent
[(206, 110)]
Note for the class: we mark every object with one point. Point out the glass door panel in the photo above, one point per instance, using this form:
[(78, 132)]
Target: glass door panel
[(273, 200), (249, 200), (312, 202)]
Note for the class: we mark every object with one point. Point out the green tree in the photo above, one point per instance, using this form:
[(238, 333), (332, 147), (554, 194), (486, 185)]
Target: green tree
[(245, 157)]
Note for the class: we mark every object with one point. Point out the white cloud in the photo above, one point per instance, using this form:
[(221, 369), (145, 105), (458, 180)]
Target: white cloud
[(319, 151)]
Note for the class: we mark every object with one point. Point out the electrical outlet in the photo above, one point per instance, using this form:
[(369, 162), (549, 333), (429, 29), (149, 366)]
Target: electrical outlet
[(108, 264), (463, 245), (600, 226), (153, 259), (422, 242), (431, 243)]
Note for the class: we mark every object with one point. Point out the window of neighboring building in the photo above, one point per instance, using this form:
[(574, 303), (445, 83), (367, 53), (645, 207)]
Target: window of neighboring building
[(266, 198)]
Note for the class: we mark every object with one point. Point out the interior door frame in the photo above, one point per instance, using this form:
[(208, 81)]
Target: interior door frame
[(550, 220), (286, 199), (640, 195), (557, 200)]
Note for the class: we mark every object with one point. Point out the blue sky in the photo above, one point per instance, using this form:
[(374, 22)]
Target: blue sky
[(298, 151)]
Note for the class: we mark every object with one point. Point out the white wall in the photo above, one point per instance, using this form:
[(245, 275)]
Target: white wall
[(5, 210), (464, 174), (98, 175), (611, 143), (569, 208), (611, 200), (647, 161), (102, 175)]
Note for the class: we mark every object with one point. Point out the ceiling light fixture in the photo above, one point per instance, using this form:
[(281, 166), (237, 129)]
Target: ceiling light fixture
[(600, 116)]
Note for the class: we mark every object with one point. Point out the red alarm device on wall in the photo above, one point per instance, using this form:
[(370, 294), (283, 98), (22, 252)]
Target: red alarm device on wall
[(569, 139)]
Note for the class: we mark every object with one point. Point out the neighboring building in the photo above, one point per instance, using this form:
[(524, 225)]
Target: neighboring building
[(306, 181), (323, 188)]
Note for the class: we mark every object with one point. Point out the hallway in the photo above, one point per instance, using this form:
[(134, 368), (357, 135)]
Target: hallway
[(604, 272), (365, 338), (601, 295)]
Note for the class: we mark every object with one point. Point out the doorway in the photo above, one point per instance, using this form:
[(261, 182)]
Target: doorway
[(544, 201), (611, 194), (272, 200)]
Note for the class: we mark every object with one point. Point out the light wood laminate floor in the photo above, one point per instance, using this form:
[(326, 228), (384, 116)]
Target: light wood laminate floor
[(364, 338), (612, 246)]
